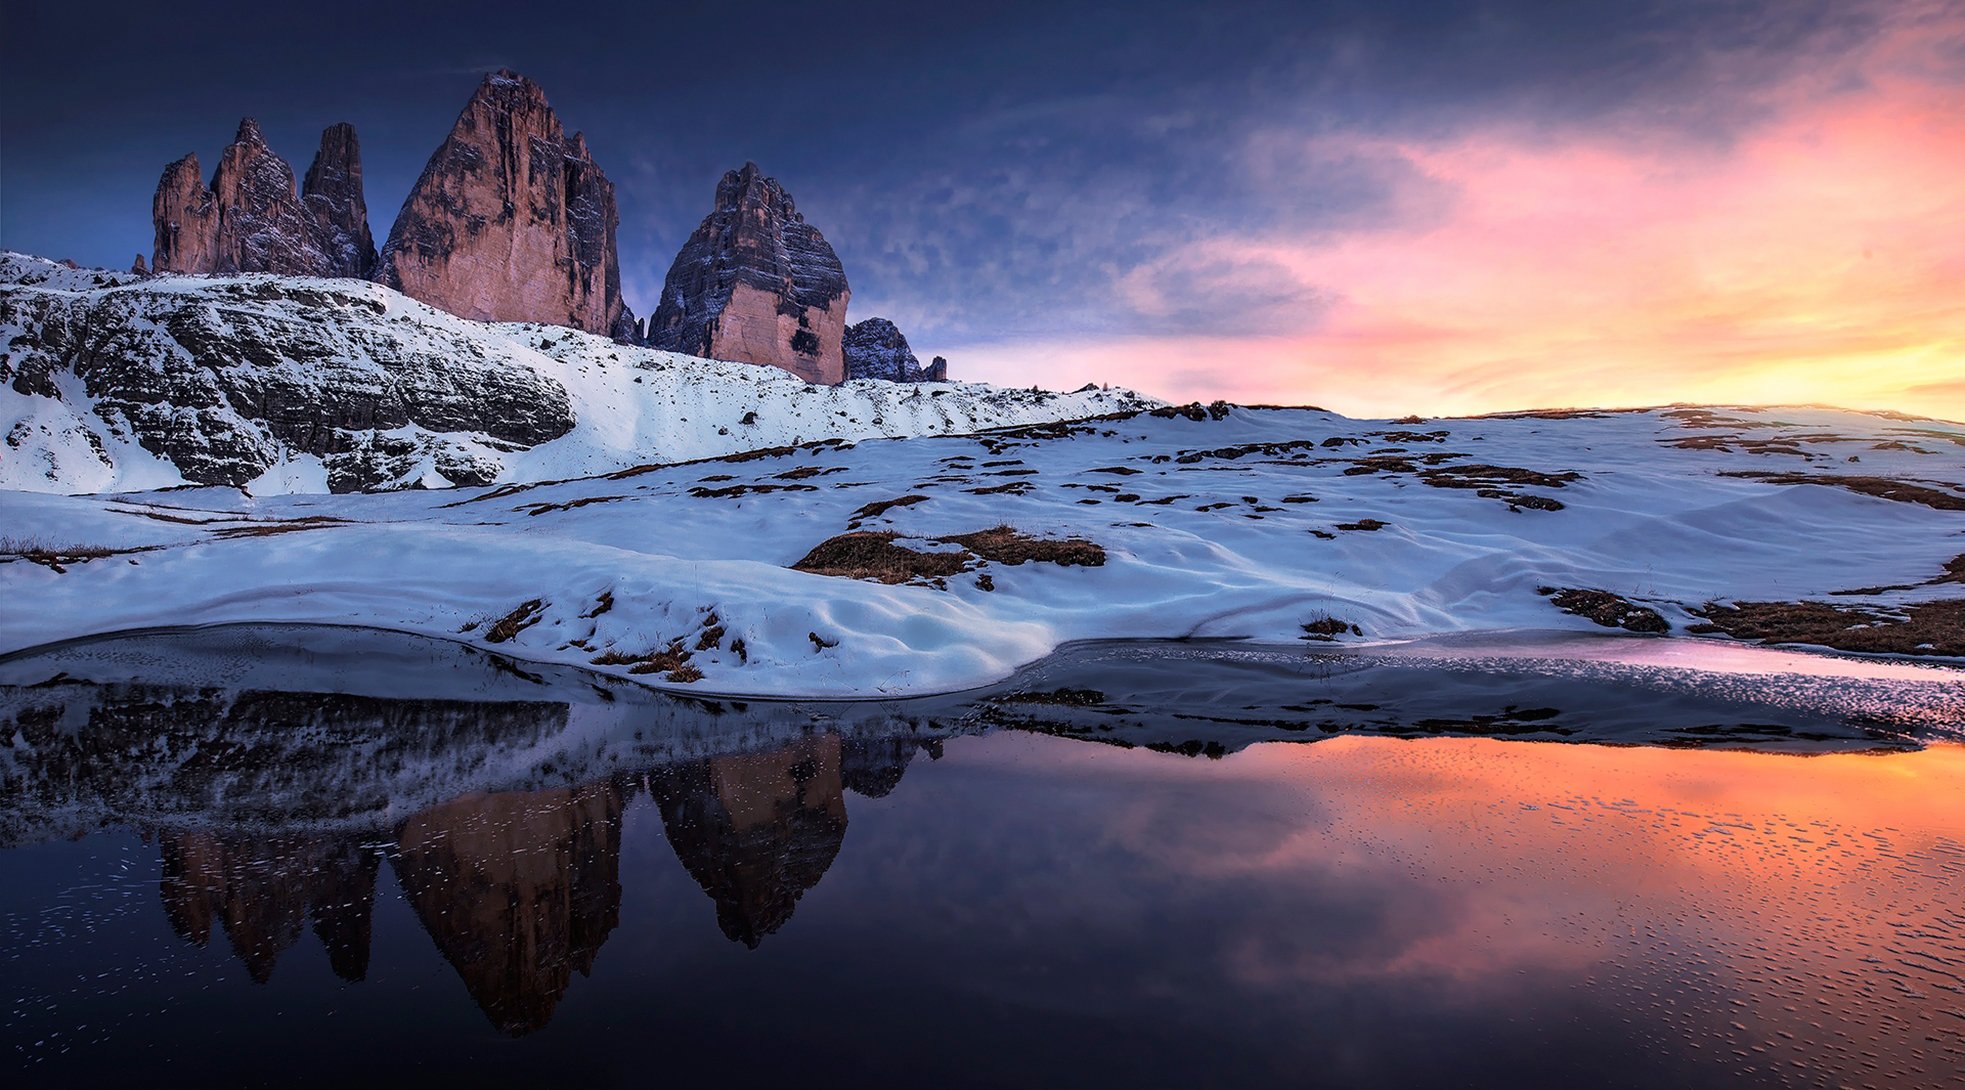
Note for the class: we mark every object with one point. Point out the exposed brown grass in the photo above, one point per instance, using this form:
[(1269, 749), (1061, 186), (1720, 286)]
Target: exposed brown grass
[(881, 507), (1362, 524), (872, 554), (1606, 609), (1009, 545), (515, 622), (1887, 488), (1327, 628), (1926, 628), (1473, 475)]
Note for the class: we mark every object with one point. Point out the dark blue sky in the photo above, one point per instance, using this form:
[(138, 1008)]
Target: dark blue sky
[(987, 172)]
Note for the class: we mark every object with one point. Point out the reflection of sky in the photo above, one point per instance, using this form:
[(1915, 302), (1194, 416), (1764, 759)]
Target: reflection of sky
[(1385, 207), (1032, 910)]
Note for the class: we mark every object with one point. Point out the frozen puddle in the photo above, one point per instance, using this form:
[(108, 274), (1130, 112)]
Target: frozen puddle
[(261, 854)]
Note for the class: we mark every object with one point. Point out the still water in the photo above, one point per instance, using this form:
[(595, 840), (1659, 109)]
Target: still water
[(277, 857)]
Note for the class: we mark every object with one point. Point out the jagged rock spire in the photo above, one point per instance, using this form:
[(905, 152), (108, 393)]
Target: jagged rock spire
[(511, 220), (756, 283)]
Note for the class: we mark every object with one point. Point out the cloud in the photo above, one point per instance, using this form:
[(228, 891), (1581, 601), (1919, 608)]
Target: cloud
[(1815, 255)]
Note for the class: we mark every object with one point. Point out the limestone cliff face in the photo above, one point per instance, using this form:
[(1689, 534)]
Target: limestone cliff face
[(511, 220), (252, 219), (332, 192), (186, 217), (758, 284)]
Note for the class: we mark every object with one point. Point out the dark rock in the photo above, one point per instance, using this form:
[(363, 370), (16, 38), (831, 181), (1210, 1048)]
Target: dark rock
[(757, 284), (332, 192), (232, 379), (875, 348)]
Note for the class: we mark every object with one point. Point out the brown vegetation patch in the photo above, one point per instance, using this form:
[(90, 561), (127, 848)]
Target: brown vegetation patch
[(730, 491), (1925, 628), (1328, 628), (542, 508), (1012, 488), (1362, 524), (881, 507), (1886, 488), (515, 622), (1606, 609), (284, 526), (872, 554), (1122, 471), (802, 472), (1008, 545)]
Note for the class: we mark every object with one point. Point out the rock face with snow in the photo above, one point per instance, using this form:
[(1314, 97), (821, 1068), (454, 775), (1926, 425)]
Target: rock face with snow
[(253, 219), (876, 348), (332, 192), (511, 220), (223, 380), (109, 380), (757, 284)]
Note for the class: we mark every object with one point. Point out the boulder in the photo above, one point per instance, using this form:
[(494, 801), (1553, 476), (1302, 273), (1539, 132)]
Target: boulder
[(757, 284)]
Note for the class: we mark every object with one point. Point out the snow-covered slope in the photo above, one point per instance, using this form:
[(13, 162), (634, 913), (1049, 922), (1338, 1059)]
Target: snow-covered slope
[(284, 384), (1243, 522)]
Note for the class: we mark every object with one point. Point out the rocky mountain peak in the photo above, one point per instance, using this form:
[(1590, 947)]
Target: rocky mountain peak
[(876, 348), (332, 192), (511, 220), (756, 283), (252, 218)]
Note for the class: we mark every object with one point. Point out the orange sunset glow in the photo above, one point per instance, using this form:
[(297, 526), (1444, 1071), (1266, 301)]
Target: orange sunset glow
[(1819, 257)]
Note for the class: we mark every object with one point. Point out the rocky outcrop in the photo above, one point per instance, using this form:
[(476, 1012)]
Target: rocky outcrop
[(252, 219), (235, 377), (332, 192), (876, 349), (186, 218), (511, 220), (757, 284)]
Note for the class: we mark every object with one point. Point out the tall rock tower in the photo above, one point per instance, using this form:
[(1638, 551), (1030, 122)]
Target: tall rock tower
[(252, 219), (511, 220), (756, 283)]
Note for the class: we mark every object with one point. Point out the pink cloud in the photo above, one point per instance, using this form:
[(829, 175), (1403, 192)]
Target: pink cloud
[(1819, 257)]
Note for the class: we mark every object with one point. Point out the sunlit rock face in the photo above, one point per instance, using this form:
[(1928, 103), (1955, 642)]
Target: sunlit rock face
[(511, 220), (756, 830), (876, 348), (757, 284), (519, 890), (252, 219)]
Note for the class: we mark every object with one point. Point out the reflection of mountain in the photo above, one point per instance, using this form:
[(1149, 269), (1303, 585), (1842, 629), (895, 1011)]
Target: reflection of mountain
[(262, 891), (518, 889), (242, 756), (756, 830)]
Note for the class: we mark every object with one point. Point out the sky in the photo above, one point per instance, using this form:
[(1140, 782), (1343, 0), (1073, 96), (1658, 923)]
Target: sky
[(1376, 207)]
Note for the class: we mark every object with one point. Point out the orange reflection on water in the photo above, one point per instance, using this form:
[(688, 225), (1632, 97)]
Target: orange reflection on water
[(1795, 914)]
